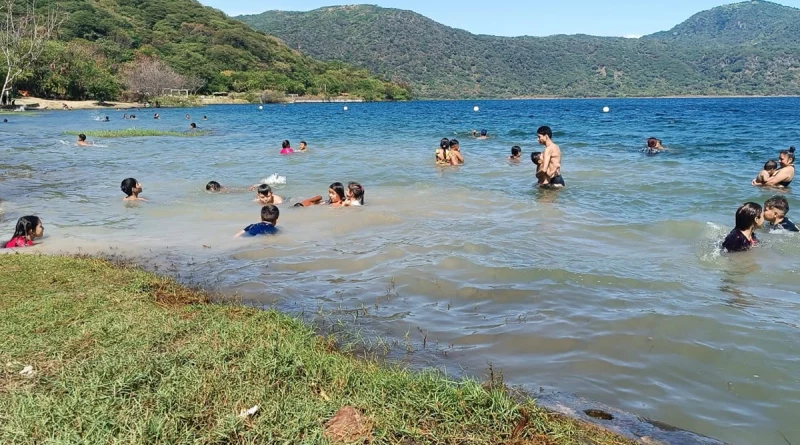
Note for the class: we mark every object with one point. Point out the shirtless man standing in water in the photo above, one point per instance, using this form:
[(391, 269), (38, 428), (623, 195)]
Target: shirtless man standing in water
[(550, 172)]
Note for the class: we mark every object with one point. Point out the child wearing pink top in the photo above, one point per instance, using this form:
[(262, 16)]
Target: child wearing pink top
[(287, 148), (28, 228)]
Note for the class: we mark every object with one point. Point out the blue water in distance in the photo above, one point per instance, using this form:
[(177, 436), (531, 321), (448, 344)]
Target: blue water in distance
[(613, 289)]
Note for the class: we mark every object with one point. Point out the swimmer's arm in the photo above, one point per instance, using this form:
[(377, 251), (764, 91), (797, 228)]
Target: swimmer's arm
[(777, 178), (240, 234), (277, 199)]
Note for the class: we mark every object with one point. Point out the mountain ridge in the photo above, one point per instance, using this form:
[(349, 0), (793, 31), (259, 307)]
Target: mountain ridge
[(443, 62)]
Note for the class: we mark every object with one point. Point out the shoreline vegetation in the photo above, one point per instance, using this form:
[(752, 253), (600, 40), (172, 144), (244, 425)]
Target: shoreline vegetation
[(98, 352)]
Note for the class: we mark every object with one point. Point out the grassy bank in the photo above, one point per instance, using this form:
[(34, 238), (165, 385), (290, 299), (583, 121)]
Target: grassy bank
[(118, 355), (138, 132)]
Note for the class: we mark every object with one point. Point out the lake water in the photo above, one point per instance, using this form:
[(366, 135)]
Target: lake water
[(612, 289)]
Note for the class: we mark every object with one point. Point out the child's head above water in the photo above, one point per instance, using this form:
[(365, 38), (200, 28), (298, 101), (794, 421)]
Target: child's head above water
[(749, 216), (355, 192), (484, 133), (454, 145), (131, 187), (444, 144), (771, 165), (286, 144), (536, 157), (776, 208), (213, 186), (29, 227), (264, 193), (82, 137), (336, 193), (270, 214), (516, 151)]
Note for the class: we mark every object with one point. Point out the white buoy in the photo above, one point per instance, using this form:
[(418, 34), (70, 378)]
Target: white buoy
[(345, 108), (606, 109), (477, 108), (260, 107)]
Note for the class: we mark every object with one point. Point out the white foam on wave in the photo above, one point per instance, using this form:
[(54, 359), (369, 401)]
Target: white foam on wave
[(275, 179)]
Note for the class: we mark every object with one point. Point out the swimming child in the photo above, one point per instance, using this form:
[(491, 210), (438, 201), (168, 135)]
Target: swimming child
[(770, 168), (355, 195), (28, 229), (775, 210), (336, 195), (264, 195), (287, 148), (193, 126), (156, 116), (269, 219), (188, 118), (205, 118), (749, 217), (82, 141), (131, 188), (516, 153), (213, 186), (443, 152), (303, 146), (653, 146), (456, 158), (484, 134)]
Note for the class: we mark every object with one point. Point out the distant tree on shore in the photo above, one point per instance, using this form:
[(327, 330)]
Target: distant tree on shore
[(24, 34)]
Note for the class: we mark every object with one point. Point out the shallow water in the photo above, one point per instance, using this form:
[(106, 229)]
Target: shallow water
[(612, 289)]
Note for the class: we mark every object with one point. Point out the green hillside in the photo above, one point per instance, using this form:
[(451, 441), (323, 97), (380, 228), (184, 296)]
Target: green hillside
[(439, 61), (99, 37)]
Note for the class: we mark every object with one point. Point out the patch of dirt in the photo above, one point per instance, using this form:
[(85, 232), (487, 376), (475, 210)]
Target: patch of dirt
[(349, 426)]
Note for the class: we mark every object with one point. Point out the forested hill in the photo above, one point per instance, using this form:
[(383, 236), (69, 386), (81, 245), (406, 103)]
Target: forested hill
[(101, 38), (744, 49)]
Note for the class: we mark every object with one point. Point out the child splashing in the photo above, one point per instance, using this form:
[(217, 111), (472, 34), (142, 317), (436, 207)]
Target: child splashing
[(355, 195), (28, 228)]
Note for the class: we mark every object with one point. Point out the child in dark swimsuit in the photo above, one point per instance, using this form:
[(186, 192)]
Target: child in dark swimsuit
[(775, 210), (749, 217), (269, 219), (28, 228), (556, 182)]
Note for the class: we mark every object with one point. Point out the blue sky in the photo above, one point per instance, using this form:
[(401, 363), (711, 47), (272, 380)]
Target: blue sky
[(521, 17)]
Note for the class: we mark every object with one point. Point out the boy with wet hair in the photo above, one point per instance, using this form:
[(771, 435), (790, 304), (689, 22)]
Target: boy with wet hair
[(269, 219), (516, 153), (775, 210)]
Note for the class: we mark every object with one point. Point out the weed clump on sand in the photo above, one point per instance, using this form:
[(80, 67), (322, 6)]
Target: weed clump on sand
[(139, 132), (94, 352)]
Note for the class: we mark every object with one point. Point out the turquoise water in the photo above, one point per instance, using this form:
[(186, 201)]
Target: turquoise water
[(612, 289)]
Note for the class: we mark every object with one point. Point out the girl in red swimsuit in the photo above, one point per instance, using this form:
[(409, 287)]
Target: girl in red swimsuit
[(28, 229)]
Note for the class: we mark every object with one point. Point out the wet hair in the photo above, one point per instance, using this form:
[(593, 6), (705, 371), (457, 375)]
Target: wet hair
[(25, 225), (444, 144), (777, 203), (453, 143), (536, 156), (747, 215), (286, 144), (213, 186), (771, 165), (270, 214), (516, 150), (304, 142), (652, 143), (5, 121), (484, 132), (193, 125), (545, 131), (128, 185), (789, 154), (81, 137), (358, 191), (337, 187), (264, 189)]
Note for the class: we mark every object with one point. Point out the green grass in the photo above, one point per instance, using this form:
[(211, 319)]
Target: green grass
[(138, 132), (124, 356)]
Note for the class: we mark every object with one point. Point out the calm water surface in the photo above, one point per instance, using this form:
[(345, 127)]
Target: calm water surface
[(612, 289)]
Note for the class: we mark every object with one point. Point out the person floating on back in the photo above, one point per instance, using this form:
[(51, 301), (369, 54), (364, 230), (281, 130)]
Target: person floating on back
[(264, 195), (131, 188), (549, 162), (355, 195), (456, 158), (516, 153), (267, 226), (82, 141), (749, 217), (286, 148), (770, 168), (28, 229), (775, 210)]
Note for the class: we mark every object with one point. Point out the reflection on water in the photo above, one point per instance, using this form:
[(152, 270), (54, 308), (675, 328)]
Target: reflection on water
[(612, 288)]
